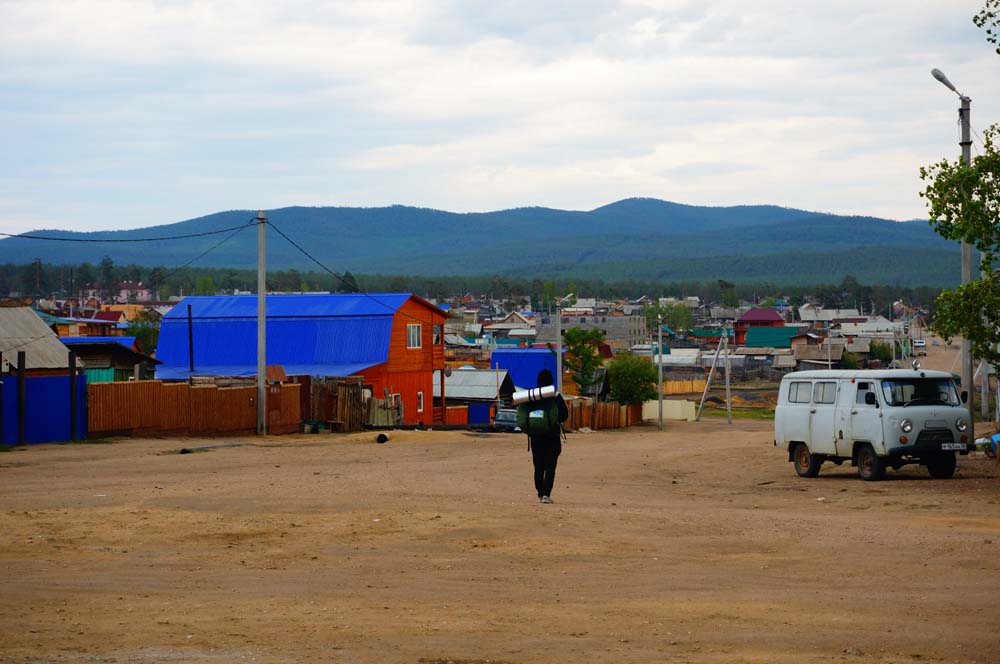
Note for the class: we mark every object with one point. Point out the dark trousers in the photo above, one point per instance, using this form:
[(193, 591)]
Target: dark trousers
[(545, 455)]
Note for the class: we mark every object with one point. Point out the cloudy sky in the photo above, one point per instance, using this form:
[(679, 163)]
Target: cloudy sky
[(138, 113)]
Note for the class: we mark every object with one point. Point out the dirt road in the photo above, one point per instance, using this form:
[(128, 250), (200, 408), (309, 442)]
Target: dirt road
[(697, 544)]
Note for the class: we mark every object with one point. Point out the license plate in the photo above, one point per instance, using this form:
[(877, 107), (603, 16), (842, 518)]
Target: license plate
[(952, 446)]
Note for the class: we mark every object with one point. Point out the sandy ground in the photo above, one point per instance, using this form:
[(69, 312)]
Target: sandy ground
[(695, 544)]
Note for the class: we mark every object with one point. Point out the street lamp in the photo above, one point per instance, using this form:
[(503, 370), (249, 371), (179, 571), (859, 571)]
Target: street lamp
[(964, 113)]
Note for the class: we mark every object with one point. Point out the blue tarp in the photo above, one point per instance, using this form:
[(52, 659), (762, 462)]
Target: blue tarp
[(523, 364), (318, 335), (46, 409)]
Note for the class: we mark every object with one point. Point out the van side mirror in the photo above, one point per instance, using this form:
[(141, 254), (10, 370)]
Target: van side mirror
[(870, 399), (965, 396)]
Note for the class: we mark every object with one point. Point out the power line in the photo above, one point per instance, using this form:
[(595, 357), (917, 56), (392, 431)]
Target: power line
[(339, 278), (207, 251), (27, 236)]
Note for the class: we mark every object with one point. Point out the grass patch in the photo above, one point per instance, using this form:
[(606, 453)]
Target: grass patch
[(764, 414)]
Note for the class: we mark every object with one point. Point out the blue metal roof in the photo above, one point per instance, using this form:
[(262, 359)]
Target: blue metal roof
[(290, 306), (317, 334), (523, 364), (182, 373), (128, 342)]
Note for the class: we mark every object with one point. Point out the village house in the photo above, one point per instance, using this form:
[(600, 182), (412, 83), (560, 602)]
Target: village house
[(756, 317), (394, 341)]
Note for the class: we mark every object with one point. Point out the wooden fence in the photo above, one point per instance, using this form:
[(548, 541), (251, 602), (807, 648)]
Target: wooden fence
[(600, 415), (694, 386), (153, 408)]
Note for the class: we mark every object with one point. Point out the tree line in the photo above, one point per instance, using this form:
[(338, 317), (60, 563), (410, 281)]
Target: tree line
[(66, 280)]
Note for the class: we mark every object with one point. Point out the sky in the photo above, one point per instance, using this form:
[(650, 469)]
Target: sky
[(146, 112)]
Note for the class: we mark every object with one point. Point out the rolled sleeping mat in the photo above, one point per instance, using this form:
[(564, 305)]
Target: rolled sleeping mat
[(533, 394)]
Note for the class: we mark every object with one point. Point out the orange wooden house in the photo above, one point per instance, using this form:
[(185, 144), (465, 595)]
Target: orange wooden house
[(395, 341)]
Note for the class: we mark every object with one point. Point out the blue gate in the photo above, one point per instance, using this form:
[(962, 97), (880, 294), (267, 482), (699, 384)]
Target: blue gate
[(46, 409), (479, 412)]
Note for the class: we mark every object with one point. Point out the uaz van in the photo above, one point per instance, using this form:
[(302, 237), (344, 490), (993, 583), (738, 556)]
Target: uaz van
[(875, 419)]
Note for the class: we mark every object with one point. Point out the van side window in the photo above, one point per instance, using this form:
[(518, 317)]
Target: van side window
[(863, 389), (825, 392), (799, 392)]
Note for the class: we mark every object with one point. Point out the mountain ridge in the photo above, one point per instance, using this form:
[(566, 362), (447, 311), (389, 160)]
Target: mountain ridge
[(625, 238)]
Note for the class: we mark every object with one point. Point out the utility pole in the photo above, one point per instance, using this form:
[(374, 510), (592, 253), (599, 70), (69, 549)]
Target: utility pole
[(729, 394), (659, 366), (261, 326), (965, 119)]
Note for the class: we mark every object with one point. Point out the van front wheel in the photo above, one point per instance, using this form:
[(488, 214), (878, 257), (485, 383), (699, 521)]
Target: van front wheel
[(870, 467), (806, 463), (942, 466)]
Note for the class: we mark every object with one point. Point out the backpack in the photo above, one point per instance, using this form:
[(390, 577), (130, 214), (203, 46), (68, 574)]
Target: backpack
[(539, 418)]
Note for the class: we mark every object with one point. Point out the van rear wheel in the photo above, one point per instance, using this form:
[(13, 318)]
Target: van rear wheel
[(870, 467), (806, 463), (942, 466)]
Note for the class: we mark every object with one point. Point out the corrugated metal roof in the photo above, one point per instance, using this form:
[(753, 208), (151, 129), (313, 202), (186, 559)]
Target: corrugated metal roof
[(310, 305), (182, 373), (472, 384), (128, 342), (316, 334), (21, 329)]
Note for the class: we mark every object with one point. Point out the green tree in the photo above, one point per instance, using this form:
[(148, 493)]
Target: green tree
[(988, 18), (633, 379), (849, 361), (879, 350), (964, 204), (680, 317), (348, 284), (204, 286), (145, 327), (109, 281), (582, 355)]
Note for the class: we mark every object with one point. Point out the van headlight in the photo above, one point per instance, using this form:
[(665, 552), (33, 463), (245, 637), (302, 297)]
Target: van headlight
[(906, 426), (961, 424)]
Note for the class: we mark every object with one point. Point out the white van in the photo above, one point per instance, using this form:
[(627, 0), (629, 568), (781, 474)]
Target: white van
[(874, 419)]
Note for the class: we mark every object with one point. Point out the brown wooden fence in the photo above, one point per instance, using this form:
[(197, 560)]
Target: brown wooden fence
[(600, 415), (153, 408)]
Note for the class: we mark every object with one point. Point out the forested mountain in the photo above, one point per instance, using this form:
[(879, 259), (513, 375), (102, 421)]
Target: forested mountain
[(636, 238)]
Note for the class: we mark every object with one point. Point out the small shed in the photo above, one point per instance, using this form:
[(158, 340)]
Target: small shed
[(110, 359)]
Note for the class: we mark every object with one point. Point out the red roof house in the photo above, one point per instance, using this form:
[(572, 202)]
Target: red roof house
[(756, 317)]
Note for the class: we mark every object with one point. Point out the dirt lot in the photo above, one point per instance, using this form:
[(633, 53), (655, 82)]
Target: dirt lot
[(697, 544)]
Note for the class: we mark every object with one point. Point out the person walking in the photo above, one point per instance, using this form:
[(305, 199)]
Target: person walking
[(542, 421)]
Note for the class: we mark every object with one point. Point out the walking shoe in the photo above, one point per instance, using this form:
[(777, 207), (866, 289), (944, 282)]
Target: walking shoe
[(546, 499)]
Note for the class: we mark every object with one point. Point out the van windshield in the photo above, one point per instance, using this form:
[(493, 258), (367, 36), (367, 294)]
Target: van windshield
[(920, 391)]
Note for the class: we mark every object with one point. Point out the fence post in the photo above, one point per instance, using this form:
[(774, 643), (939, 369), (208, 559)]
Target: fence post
[(72, 396), (22, 391)]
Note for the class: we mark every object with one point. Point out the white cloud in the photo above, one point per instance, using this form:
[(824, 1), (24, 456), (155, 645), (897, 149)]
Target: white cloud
[(209, 105)]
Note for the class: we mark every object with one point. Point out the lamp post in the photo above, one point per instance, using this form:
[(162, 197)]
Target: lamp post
[(964, 113)]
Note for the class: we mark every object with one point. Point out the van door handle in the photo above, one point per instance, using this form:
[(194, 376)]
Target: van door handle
[(812, 410), (854, 412)]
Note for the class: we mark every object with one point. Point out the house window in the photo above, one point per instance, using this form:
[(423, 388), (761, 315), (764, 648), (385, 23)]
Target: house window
[(420, 402), (413, 331), (437, 334)]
